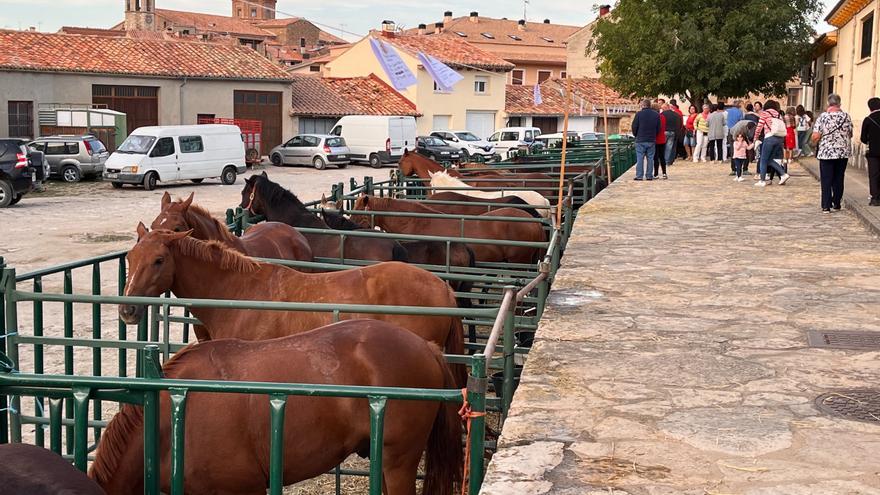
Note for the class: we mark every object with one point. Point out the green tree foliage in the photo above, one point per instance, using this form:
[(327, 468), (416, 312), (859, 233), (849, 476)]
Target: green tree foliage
[(724, 47)]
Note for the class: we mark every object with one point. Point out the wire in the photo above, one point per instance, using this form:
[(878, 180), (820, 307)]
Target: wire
[(276, 11)]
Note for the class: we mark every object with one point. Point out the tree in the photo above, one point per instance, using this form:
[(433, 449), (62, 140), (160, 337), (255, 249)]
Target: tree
[(723, 47)]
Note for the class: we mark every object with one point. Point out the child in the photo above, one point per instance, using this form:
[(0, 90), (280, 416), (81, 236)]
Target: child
[(790, 119), (741, 146)]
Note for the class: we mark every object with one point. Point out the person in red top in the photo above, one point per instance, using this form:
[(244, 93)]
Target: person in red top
[(690, 133), (659, 158)]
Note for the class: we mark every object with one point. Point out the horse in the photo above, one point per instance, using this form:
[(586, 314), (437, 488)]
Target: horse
[(263, 197), (37, 471), (478, 229), (227, 435), (164, 260), (443, 179), (265, 240), (458, 209)]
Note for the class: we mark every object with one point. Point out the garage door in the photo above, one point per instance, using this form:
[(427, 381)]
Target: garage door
[(481, 124), (264, 106), (140, 104)]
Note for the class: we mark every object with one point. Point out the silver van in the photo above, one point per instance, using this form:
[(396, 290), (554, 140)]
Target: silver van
[(72, 157)]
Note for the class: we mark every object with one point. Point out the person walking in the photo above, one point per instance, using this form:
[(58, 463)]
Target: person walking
[(772, 128), (645, 126), (673, 131), (871, 138), (734, 115), (690, 133), (660, 150), (716, 134), (804, 123), (746, 127), (832, 135), (741, 146), (790, 119), (701, 125)]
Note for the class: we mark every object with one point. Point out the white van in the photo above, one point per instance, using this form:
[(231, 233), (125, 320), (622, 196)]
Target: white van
[(180, 152), (377, 139), (512, 138)]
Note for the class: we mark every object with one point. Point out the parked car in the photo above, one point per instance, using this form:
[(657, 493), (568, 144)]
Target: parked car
[(468, 143), (312, 149), (437, 149), (592, 136), (554, 140), (16, 171), (513, 138), (376, 139), (72, 157), (170, 153)]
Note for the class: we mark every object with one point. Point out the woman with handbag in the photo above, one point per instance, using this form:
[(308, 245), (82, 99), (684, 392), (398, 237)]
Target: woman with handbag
[(832, 136), (774, 132)]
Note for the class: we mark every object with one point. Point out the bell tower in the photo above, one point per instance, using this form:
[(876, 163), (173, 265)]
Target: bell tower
[(254, 10), (140, 15)]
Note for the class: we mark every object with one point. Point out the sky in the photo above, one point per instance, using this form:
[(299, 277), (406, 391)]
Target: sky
[(356, 17)]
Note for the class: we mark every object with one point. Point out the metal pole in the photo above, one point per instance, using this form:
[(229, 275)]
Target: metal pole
[(377, 439), (564, 149), (178, 439), (151, 369), (277, 405), (476, 395), (605, 125)]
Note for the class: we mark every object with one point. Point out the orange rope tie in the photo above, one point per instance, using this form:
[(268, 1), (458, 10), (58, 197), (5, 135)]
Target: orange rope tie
[(467, 415)]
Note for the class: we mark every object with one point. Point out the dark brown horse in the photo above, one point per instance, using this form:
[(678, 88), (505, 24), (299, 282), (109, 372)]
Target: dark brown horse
[(165, 260), (265, 240), (477, 229), (227, 435), (32, 470), (263, 197)]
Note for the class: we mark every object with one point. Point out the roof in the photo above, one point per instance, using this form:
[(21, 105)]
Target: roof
[(322, 35), (213, 23), (44, 52), (501, 29), (824, 43), (449, 49), (336, 97), (111, 33), (844, 11), (520, 99)]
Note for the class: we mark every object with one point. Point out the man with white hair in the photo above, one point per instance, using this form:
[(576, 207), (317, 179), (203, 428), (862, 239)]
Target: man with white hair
[(832, 134)]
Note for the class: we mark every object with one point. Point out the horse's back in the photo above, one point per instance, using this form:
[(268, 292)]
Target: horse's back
[(37, 471), (276, 240)]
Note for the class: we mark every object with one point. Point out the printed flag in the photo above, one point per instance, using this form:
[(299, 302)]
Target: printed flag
[(394, 66), (441, 73), (537, 95)]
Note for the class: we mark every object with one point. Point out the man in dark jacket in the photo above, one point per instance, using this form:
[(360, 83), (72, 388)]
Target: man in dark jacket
[(871, 137), (645, 126), (673, 130)]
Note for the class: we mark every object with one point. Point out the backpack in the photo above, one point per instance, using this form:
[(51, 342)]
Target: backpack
[(777, 127)]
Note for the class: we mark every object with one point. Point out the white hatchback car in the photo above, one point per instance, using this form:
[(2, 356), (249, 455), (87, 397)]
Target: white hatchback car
[(513, 138), (467, 142)]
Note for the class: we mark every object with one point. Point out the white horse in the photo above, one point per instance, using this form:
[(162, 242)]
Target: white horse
[(443, 179)]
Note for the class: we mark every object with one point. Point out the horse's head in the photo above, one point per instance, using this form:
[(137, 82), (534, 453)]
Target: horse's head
[(250, 198), (362, 203), (173, 214), (150, 268), (406, 163), (329, 205)]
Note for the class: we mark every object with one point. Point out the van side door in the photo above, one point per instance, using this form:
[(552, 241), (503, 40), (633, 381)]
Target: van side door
[(163, 159), (192, 160)]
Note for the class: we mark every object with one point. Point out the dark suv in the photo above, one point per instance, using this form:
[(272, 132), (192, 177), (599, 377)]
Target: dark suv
[(16, 171)]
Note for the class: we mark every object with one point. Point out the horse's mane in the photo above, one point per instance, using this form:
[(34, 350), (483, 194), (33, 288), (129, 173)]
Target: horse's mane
[(273, 193), (221, 227), (443, 178), (125, 423), (218, 253)]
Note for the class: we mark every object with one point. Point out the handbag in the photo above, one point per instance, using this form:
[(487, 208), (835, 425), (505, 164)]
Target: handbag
[(777, 127), (868, 144)]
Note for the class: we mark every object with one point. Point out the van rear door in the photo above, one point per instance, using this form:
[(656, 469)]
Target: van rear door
[(402, 132)]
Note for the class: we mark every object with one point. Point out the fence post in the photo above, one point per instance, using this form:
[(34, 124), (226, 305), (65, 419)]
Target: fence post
[(4, 406), (81, 426), (10, 329), (178, 439), (277, 404), (377, 439), (509, 344), (151, 370), (476, 396)]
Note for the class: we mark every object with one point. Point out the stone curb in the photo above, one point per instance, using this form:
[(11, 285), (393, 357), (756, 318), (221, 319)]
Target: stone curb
[(869, 216)]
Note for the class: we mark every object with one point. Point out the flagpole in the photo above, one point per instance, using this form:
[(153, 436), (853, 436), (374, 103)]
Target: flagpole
[(564, 152), (607, 147)]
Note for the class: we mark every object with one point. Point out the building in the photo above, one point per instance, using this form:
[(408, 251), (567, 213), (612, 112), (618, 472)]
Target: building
[(580, 62), (317, 103), (154, 82), (476, 103), (537, 49), (587, 102)]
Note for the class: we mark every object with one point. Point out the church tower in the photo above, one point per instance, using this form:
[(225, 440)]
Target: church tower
[(253, 10), (140, 15)]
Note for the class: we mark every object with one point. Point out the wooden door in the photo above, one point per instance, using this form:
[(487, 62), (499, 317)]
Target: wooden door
[(264, 106)]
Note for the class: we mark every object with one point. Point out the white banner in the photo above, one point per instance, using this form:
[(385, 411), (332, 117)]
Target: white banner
[(537, 95), (441, 73), (394, 66)]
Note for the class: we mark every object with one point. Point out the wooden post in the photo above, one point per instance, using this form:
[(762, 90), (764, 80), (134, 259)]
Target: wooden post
[(564, 151), (605, 123)]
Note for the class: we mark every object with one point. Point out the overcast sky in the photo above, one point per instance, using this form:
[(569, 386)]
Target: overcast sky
[(354, 16)]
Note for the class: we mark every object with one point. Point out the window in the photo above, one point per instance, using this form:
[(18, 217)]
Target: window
[(563, 74), (21, 119), (830, 85), (310, 141), (315, 68), (164, 147), (481, 85), (493, 138), (488, 36), (794, 97), (509, 136), (55, 149), (239, 13), (335, 142), (548, 40), (440, 122), (543, 75), (191, 144), (517, 77), (461, 34), (316, 125), (515, 122), (185, 32), (253, 12), (205, 118), (514, 37), (867, 36)]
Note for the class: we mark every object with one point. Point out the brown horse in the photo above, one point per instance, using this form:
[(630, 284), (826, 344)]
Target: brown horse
[(265, 240), (477, 229), (227, 435), (28, 469), (165, 260)]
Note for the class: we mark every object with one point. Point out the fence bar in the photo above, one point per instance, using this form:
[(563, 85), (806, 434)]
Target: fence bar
[(377, 439), (151, 369), (39, 434), (178, 438), (123, 329), (277, 405), (96, 334), (68, 356), (476, 393), (81, 426), (55, 407)]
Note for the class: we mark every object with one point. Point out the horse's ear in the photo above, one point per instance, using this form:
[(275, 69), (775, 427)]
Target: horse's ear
[(188, 201), (339, 205), (265, 174), (142, 230), (166, 200), (323, 198)]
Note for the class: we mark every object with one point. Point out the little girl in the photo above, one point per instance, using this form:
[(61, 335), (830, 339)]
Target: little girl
[(790, 119), (741, 146)]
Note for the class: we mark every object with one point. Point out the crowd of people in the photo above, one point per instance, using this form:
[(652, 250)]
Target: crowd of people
[(756, 133)]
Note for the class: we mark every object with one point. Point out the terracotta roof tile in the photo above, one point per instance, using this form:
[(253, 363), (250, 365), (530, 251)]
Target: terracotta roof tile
[(533, 34), (213, 23), (44, 52), (449, 49), (520, 99), (110, 33), (322, 35), (335, 97)]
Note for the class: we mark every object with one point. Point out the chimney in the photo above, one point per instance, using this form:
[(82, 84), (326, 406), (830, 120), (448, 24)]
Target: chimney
[(423, 29), (521, 25), (447, 16), (604, 10), (475, 17), (438, 27), (388, 28), (546, 21), (32, 29)]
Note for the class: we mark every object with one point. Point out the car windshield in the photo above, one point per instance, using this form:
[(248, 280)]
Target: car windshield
[(137, 144), (432, 141), (466, 136), (335, 142)]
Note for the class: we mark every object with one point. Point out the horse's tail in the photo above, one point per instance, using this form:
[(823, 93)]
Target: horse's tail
[(398, 253), (455, 345), (443, 460)]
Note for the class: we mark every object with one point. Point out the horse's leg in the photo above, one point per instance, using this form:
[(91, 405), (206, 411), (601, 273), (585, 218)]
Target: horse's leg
[(399, 474)]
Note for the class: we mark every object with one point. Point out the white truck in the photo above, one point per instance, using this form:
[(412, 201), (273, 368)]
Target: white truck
[(376, 139)]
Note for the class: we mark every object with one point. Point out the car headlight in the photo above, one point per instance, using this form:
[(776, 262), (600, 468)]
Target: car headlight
[(130, 170)]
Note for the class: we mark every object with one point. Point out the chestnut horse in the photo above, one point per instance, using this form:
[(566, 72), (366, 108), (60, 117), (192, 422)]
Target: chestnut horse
[(261, 196), (227, 435), (477, 229), (265, 240)]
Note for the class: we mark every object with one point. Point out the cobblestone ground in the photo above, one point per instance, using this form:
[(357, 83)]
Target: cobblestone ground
[(673, 357)]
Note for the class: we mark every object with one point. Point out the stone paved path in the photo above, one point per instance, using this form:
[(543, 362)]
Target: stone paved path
[(673, 357)]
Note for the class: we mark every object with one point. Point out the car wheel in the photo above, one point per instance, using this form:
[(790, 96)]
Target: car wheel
[(375, 162), (465, 155), (70, 174), (276, 160), (196, 181), (318, 162), (117, 185), (6, 194), (150, 181), (229, 176)]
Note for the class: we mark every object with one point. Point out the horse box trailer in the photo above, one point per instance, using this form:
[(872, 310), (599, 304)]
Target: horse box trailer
[(377, 139), (180, 152)]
